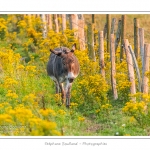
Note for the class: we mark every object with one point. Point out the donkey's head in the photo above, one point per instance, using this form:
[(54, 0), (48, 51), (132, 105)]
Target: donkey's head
[(69, 62)]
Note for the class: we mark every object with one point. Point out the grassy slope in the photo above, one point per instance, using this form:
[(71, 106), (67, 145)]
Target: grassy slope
[(110, 123)]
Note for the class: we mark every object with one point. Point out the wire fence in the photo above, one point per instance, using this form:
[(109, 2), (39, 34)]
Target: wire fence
[(91, 33)]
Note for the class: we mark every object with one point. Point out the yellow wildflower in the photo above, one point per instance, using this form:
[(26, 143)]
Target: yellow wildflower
[(47, 112), (61, 112), (20, 67), (11, 94), (81, 119)]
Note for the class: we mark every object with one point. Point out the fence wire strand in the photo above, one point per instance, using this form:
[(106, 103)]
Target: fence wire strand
[(115, 31)]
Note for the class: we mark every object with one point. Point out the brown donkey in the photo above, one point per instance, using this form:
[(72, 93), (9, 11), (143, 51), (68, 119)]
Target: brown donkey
[(63, 67)]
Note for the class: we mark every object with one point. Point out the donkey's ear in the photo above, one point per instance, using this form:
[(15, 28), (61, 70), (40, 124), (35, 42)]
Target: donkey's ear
[(73, 47), (56, 53)]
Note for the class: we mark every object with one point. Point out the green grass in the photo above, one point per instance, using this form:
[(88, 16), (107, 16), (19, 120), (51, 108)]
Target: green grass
[(106, 123)]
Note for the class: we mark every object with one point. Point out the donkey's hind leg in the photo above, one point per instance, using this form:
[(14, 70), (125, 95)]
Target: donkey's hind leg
[(57, 87)]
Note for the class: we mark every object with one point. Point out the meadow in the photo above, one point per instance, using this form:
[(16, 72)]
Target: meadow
[(28, 103)]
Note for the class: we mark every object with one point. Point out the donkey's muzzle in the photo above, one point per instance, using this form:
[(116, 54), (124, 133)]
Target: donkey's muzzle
[(70, 80)]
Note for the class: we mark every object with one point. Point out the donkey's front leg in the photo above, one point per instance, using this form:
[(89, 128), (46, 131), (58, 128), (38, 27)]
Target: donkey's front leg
[(63, 93), (68, 93)]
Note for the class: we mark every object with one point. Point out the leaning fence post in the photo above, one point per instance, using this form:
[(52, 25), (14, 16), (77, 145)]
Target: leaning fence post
[(136, 67), (141, 41), (118, 34), (123, 32), (130, 68), (136, 37), (145, 68), (101, 53), (113, 67)]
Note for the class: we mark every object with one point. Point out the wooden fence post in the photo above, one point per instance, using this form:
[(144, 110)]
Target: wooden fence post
[(136, 38), (74, 24), (118, 34), (123, 32), (56, 23), (49, 21), (108, 16), (113, 25), (105, 30), (113, 67), (63, 22), (37, 15), (136, 67), (101, 53), (93, 19), (70, 21), (145, 68), (130, 68), (93, 25), (90, 40), (44, 25), (81, 35), (141, 41)]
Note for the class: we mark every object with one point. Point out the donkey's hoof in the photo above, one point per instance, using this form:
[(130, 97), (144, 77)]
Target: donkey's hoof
[(68, 106)]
